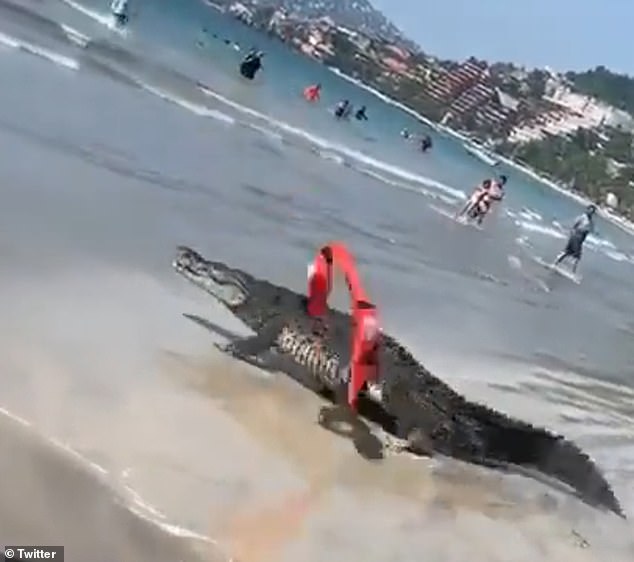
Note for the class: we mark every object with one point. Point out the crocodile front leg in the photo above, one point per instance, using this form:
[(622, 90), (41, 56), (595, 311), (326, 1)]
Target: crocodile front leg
[(252, 347)]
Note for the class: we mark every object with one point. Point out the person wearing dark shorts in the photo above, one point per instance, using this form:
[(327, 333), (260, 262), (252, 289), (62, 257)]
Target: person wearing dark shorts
[(583, 226)]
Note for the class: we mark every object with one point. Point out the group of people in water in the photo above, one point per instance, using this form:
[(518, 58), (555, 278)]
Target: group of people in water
[(483, 198), (424, 141), (479, 204), (344, 109), (491, 191)]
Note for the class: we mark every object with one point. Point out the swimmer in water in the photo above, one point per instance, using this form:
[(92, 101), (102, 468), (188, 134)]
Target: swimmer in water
[(312, 93), (582, 227), (361, 115), (251, 64), (425, 143), (342, 109)]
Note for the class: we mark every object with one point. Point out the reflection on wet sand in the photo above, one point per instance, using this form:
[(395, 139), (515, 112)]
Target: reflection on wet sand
[(48, 497), (283, 418)]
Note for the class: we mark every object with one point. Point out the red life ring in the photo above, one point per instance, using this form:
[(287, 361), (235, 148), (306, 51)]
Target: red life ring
[(366, 331)]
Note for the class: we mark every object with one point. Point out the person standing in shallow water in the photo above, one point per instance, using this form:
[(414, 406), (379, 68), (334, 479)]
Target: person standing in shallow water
[(583, 226), (251, 64)]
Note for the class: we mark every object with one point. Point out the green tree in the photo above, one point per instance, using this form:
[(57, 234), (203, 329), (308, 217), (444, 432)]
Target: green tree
[(536, 83), (615, 89), (619, 146)]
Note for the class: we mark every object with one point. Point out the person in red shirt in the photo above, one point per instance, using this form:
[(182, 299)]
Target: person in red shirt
[(312, 93)]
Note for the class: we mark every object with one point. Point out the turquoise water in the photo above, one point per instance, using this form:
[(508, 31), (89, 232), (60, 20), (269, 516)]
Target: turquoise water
[(178, 25)]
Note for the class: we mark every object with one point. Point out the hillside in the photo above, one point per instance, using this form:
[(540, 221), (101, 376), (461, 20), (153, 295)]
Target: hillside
[(615, 89), (359, 15)]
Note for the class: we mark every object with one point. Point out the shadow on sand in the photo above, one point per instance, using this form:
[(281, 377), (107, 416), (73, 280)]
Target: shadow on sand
[(337, 419)]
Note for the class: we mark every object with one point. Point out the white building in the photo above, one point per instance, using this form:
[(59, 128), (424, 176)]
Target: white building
[(576, 111), (360, 41), (278, 18), (621, 119), (612, 200), (591, 112), (241, 12)]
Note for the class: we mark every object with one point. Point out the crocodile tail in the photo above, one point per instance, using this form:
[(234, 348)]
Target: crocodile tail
[(522, 444)]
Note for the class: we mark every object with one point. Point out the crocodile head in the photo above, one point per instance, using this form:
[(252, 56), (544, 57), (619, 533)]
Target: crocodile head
[(216, 278)]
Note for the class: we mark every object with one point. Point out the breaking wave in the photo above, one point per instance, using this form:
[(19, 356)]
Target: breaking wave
[(104, 19), (330, 146), (38, 51)]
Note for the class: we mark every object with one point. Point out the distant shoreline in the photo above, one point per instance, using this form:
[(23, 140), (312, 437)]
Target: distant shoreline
[(617, 220)]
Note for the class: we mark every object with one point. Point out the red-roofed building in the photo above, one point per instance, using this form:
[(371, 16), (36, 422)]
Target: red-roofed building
[(455, 82), (399, 53)]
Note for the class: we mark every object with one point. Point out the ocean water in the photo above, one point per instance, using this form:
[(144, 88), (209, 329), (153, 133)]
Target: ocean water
[(120, 420)]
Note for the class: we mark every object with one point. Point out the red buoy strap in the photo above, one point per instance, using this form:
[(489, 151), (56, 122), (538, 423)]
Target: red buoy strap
[(366, 330)]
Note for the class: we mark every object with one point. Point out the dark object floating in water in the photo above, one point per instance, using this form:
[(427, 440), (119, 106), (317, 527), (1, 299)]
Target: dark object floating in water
[(414, 404), (251, 64)]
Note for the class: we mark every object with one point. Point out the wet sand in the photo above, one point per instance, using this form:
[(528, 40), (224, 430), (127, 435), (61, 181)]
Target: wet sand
[(448, 510), (230, 453), (50, 498)]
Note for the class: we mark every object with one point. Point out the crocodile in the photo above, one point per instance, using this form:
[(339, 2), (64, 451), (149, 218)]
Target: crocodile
[(407, 400)]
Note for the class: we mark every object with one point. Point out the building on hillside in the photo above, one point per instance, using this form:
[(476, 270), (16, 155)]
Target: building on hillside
[(589, 110), (360, 41), (611, 200), (455, 82), (241, 12), (499, 113), (552, 122), (567, 113), (278, 19), (394, 65), (484, 106), (620, 119), (471, 99), (317, 45), (398, 52)]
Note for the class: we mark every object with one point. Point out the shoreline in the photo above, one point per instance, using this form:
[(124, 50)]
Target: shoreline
[(617, 220)]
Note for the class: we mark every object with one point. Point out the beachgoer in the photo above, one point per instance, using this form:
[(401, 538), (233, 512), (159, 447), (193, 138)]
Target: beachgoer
[(360, 115), (251, 64), (425, 143), (475, 198), (342, 109), (583, 225), (493, 194), (312, 93), (482, 198)]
